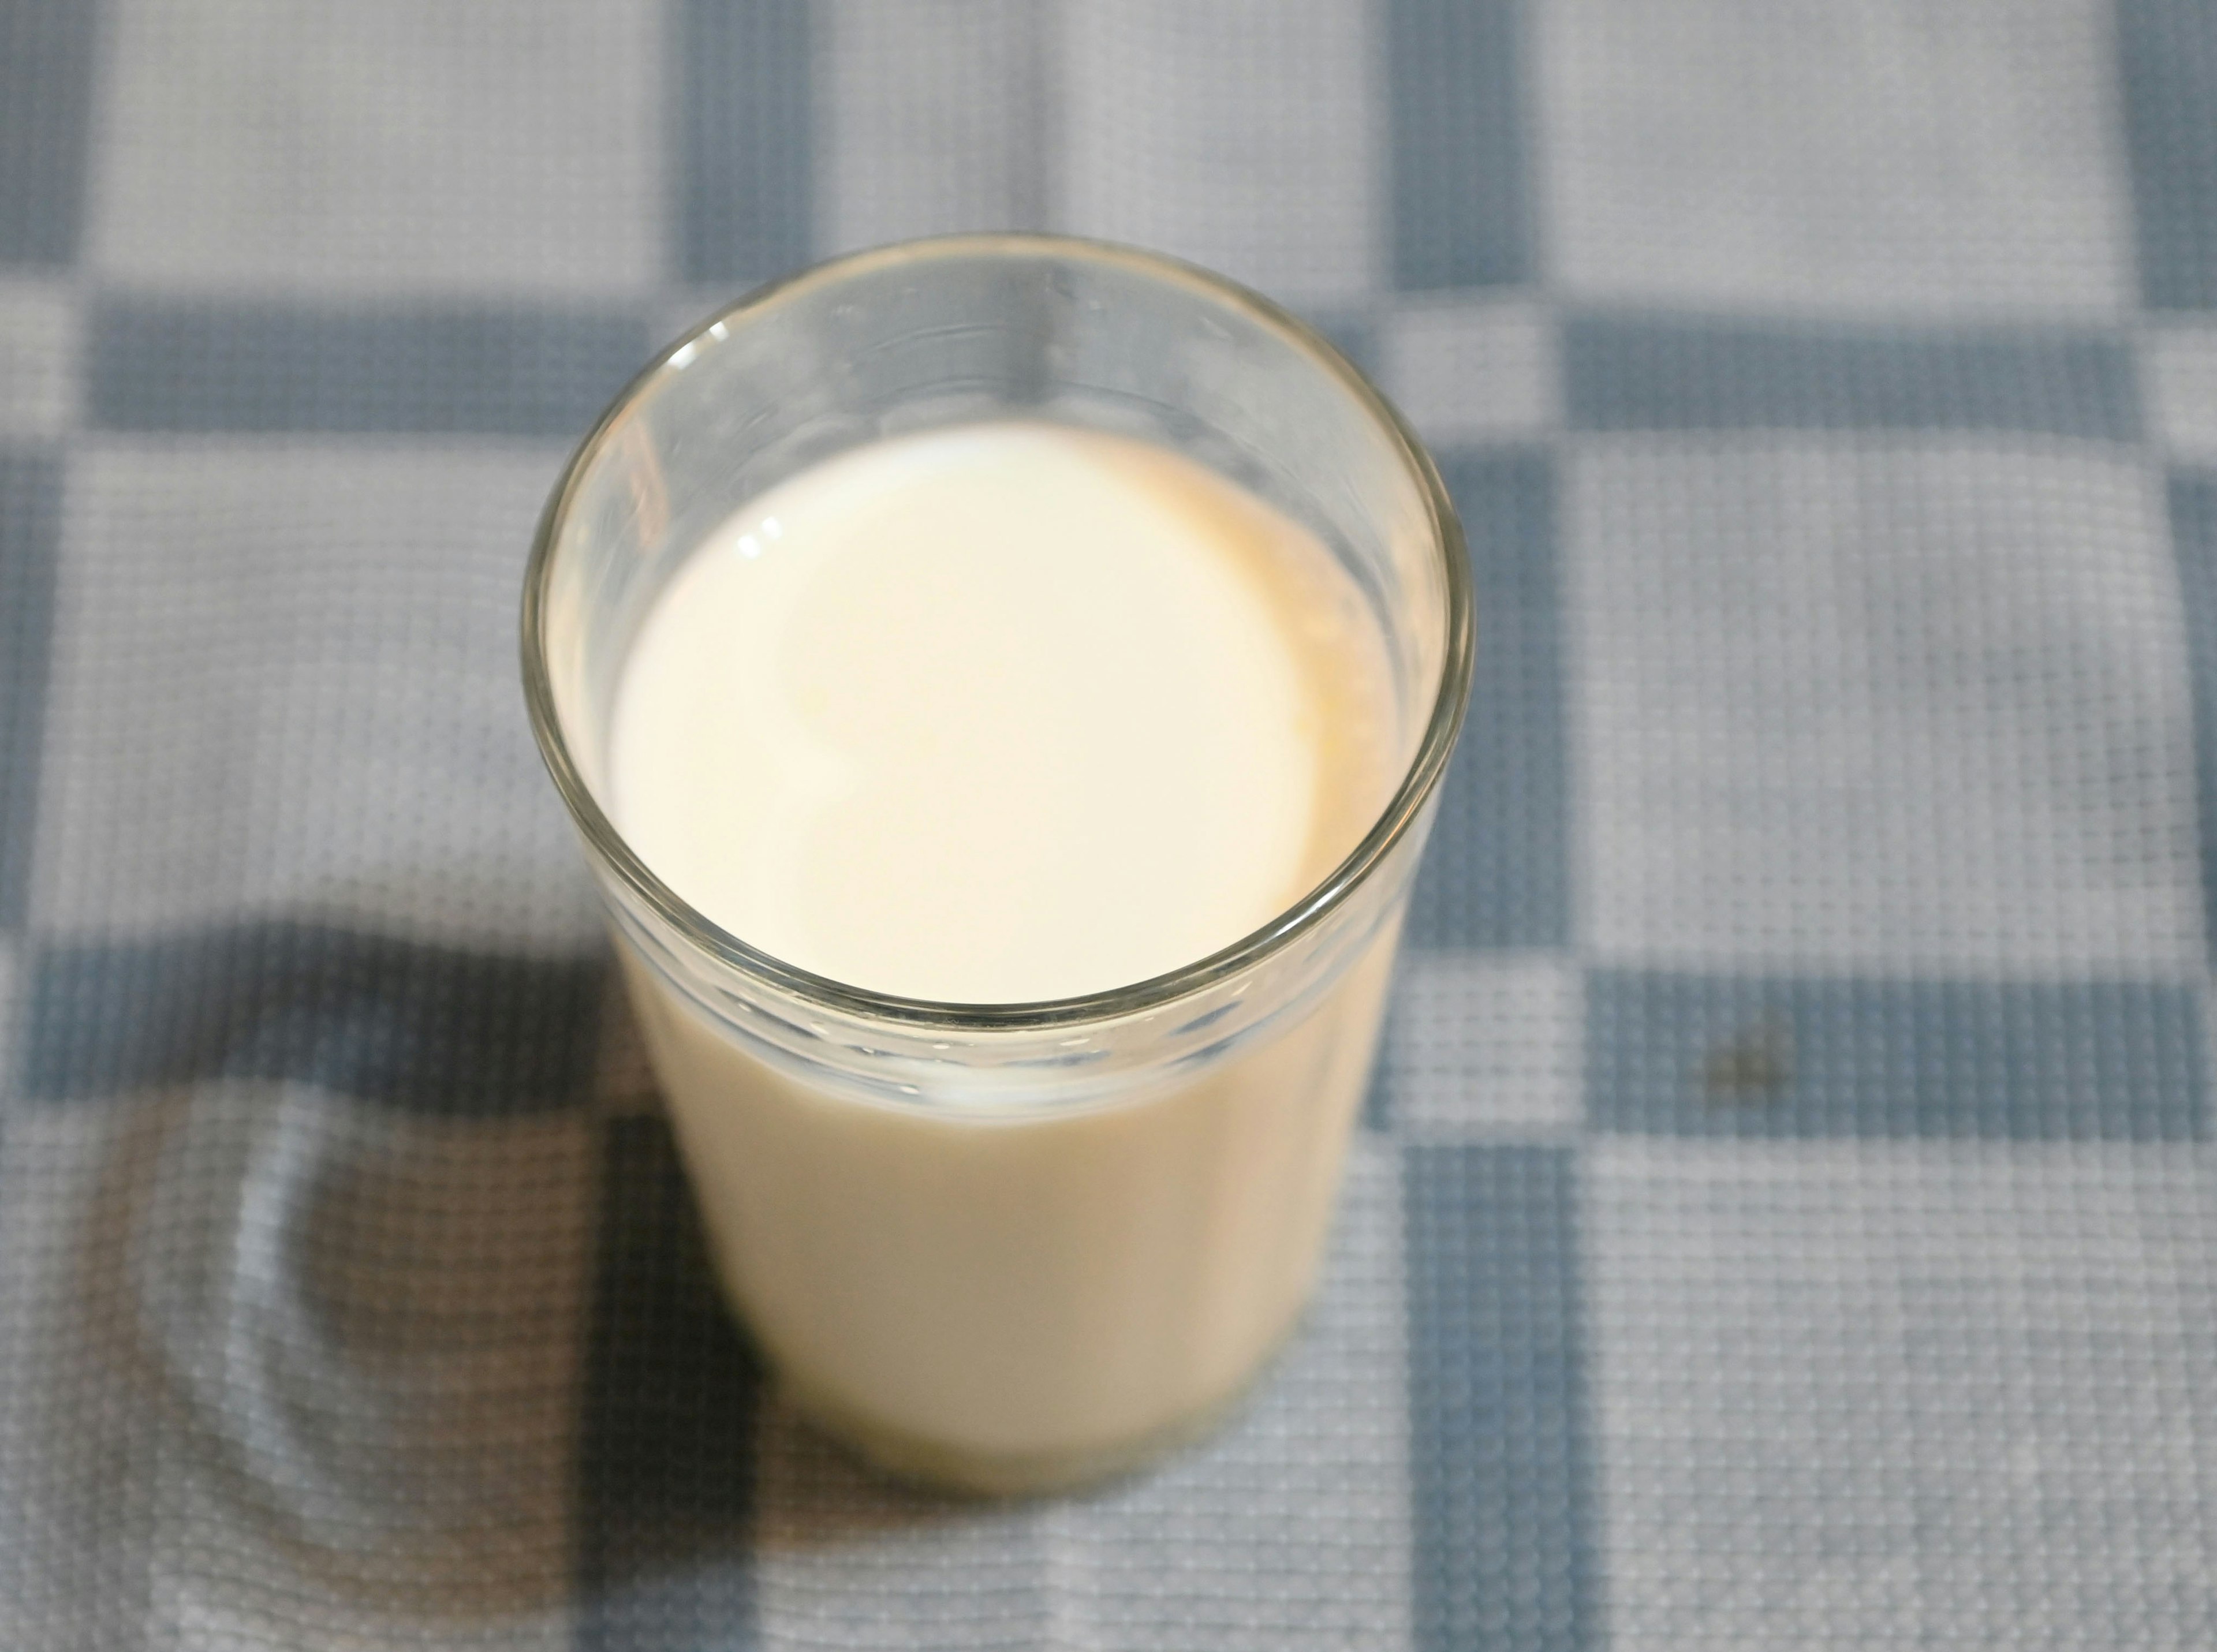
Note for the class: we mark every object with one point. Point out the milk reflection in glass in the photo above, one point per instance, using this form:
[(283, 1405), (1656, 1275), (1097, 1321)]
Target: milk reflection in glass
[(988, 715)]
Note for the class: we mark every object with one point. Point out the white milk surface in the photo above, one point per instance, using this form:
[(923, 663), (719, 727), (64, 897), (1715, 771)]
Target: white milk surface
[(997, 714)]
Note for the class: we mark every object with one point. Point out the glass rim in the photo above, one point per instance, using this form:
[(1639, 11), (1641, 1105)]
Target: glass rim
[(1303, 916)]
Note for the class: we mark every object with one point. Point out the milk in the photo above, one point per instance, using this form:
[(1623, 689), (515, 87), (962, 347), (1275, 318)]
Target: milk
[(987, 715), (1002, 713)]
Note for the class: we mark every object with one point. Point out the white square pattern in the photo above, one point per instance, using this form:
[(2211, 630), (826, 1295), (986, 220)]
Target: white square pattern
[(930, 119), (1485, 1042), (1466, 371), (1896, 156), (80, 1405), (1269, 180), (383, 1320), (1865, 703), (1889, 1396), (284, 679), (39, 334), (2178, 371), (450, 147)]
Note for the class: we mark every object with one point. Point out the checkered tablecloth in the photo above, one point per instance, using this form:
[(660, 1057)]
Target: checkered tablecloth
[(1785, 1214)]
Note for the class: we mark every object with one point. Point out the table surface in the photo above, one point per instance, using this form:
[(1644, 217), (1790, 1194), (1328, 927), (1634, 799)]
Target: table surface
[(1785, 1214)]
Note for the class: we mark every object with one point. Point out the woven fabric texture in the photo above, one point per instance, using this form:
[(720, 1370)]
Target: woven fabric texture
[(1785, 1213)]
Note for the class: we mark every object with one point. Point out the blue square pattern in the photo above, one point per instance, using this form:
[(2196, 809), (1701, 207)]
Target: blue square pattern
[(427, 1029), (30, 519), (1655, 371), (1771, 1056), (1496, 873), (666, 1475), (160, 364), (2167, 57), (742, 202), (1377, 1113), (2193, 500), (45, 89), (1461, 189), (1499, 1461)]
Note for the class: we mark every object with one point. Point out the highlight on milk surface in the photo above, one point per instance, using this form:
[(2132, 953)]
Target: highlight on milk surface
[(1000, 684)]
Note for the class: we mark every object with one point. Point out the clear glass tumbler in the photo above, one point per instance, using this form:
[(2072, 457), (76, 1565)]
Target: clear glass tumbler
[(1006, 1247)]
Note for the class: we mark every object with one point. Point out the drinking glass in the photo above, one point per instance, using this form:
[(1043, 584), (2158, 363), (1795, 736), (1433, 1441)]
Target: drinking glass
[(1019, 1246)]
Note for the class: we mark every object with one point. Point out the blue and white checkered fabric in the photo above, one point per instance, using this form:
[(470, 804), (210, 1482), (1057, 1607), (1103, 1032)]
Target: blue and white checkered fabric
[(1786, 1214)]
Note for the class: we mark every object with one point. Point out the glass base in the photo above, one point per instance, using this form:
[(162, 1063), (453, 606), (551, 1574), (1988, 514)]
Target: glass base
[(938, 1466)]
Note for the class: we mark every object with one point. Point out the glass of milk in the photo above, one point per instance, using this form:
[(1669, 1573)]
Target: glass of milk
[(1001, 684)]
